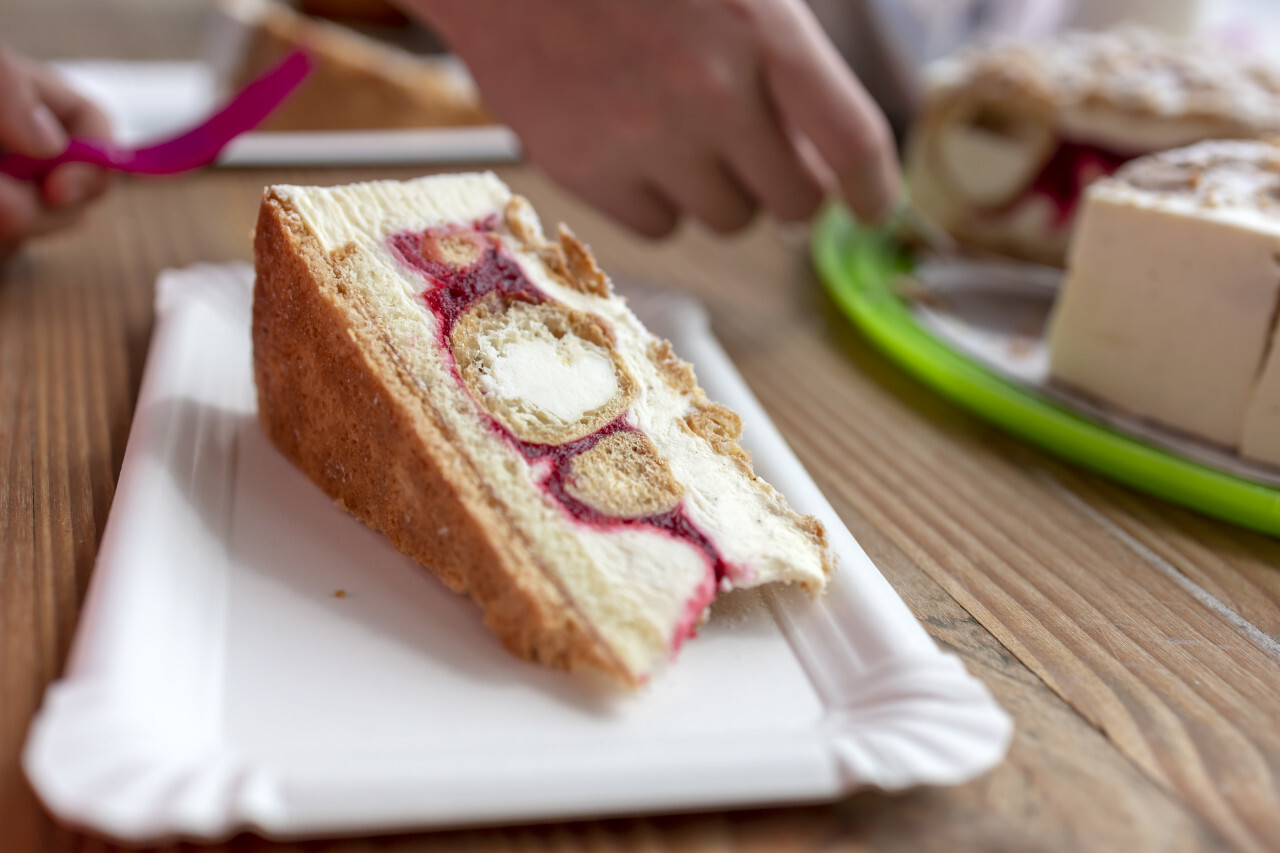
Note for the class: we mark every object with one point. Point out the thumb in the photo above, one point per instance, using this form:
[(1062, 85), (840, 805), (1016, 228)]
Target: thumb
[(27, 125)]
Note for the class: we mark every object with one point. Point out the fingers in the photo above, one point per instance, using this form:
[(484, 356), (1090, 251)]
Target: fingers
[(804, 127), (73, 185), (38, 112), (23, 212), (712, 108), (631, 203), (27, 124), (818, 95), (705, 188), (77, 115), (775, 170)]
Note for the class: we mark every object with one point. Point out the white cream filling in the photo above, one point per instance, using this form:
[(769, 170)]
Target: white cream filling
[(556, 381), (659, 574)]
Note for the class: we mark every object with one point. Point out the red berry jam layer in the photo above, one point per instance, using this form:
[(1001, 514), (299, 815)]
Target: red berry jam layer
[(452, 291), (1064, 177)]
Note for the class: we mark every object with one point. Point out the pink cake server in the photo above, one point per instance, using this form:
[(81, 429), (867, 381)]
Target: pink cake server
[(197, 147)]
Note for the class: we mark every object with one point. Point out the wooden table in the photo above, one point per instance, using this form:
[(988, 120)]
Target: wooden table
[(1136, 645)]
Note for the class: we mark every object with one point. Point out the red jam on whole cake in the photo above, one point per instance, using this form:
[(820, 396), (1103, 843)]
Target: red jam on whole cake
[(477, 393), (1010, 134)]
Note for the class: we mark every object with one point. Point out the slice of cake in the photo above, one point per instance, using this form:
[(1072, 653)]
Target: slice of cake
[(1011, 133), (1169, 305), (356, 83), (478, 394)]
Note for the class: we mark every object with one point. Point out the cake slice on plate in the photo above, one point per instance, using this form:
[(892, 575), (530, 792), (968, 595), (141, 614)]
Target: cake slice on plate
[(478, 394), (1011, 133), (1169, 306)]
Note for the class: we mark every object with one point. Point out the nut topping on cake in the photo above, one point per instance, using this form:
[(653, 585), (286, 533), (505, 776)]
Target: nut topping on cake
[(1011, 133), (1234, 174), (1130, 68)]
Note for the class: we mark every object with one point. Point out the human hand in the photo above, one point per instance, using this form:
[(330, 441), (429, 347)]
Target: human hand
[(651, 110), (38, 112)]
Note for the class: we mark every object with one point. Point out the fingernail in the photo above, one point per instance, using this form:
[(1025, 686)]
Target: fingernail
[(76, 183), (76, 192), (50, 138)]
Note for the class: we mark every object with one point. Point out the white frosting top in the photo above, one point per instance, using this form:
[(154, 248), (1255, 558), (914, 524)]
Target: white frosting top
[(1235, 181), (356, 212)]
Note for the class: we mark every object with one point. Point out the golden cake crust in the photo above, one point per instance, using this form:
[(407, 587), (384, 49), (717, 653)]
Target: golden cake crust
[(334, 401)]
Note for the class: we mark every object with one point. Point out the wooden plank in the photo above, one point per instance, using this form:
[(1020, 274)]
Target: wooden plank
[(1237, 568), (20, 647), (1191, 705)]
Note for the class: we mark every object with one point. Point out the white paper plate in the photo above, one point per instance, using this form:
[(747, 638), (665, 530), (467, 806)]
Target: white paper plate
[(251, 656), (147, 101)]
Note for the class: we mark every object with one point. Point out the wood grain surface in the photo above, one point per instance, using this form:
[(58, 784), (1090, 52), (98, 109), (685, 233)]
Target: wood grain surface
[(1136, 645)]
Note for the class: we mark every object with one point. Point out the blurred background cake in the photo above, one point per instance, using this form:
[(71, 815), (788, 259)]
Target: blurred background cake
[(359, 81), (1011, 133)]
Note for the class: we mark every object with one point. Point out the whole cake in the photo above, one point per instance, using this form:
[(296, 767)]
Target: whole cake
[(1011, 133), (1169, 306), (478, 394)]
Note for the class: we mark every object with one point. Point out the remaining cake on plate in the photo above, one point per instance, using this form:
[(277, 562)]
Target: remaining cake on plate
[(1010, 134), (356, 83), (1170, 302), (478, 394)]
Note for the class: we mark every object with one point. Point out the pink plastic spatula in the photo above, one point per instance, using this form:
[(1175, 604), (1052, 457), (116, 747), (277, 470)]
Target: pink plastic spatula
[(197, 147)]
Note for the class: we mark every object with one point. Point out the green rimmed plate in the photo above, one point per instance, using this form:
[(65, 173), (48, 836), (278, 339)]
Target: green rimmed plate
[(859, 266)]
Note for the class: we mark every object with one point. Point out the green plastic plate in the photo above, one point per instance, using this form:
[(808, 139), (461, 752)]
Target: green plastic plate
[(858, 267)]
